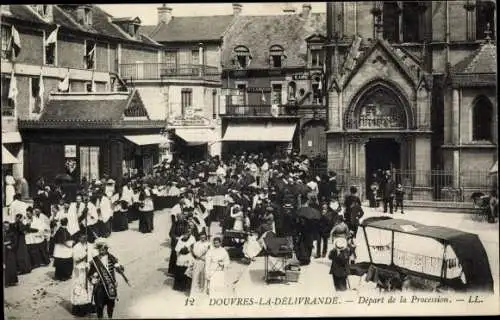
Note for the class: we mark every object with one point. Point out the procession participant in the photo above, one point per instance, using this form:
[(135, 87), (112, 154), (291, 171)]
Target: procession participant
[(332, 184), (81, 292), (355, 216), (184, 260), (146, 210), (199, 251), (89, 223), (237, 215), (120, 219), (264, 174), (71, 216), (16, 207), (216, 262), (340, 264), (39, 252), (326, 225), (127, 193), (63, 254), (349, 199), (388, 191), (10, 192), (22, 256), (110, 187), (105, 212), (9, 255), (78, 207), (178, 228), (374, 187), (136, 203), (102, 275)]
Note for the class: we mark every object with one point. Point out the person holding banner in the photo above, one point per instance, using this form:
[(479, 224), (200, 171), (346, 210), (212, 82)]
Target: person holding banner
[(102, 276)]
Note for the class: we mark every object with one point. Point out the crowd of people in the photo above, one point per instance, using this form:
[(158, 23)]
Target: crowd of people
[(249, 195)]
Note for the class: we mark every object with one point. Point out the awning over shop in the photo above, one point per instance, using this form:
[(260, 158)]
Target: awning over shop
[(11, 137), (195, 137), (272, 132), (146, 139), (7, 157)]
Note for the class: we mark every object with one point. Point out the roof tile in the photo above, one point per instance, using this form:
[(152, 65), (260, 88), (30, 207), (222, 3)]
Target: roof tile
[(483, 60), (202, 28)]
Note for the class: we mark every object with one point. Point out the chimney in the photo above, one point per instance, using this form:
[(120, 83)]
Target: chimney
[(237, 9), (289, 9), (164, 14), (306, 10)]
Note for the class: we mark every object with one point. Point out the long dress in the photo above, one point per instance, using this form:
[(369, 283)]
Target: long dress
[(106, 213), (22, 255), (63, 254), (217, 261), (198, 279), (9, 257), (81, 292), (178, 228), (146, 213), (238, 220), (184, 260)]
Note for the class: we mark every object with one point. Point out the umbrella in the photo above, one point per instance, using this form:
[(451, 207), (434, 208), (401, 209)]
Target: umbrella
[(64, 178), (309, 213)]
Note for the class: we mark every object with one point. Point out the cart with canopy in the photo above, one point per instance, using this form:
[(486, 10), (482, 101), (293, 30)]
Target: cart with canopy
[(403, 252)]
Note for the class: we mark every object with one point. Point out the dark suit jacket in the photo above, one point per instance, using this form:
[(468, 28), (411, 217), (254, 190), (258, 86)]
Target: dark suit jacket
[(340, 263), (388, 188)]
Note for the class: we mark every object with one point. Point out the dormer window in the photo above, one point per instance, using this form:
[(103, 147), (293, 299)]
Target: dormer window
[(317, 58), (276, 56), (315, 51), (243, 57), (42, 10), (90, 54), (87, 17)]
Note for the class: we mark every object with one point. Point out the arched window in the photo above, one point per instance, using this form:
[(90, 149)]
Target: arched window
[(276, 56), (243, 57), (485, 19), (292, 90), (413, 24), (482, 115)]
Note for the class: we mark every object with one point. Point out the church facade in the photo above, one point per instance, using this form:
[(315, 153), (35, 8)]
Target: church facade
[(412, 89)]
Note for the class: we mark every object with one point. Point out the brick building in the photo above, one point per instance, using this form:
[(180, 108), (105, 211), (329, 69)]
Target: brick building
[(78, 47), (412, 89)]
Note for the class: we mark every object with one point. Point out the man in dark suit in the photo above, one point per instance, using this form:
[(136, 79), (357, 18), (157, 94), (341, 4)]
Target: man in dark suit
[(388, 191), (340, 264), (332, 185)]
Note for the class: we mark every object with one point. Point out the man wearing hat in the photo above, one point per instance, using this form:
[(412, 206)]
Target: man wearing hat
[(340, 264), (102, 275)]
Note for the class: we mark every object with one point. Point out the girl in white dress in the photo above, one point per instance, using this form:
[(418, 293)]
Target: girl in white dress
[(216, 264)]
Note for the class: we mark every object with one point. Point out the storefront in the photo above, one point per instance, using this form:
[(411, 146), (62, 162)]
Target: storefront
[(96, 136)]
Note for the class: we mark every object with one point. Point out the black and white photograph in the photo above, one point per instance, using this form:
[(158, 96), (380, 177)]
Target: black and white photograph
[(246, 160)]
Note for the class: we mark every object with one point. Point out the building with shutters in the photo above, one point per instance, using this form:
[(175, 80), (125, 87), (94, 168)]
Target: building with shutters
[(76, 49), (412, 89), (273, 78)]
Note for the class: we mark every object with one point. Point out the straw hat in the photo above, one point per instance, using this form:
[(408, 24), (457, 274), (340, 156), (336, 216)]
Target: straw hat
[(341, 243)]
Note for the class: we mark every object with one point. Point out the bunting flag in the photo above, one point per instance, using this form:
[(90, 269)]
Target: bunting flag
[(52, 38), (13, 87), (64, 84), (41, 89), (15, 42), (263, 97)]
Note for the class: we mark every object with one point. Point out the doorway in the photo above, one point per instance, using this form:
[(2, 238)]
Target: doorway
[(381, 154)]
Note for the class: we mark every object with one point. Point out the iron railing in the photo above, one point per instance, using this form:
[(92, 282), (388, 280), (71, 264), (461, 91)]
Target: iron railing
[(157, 71), (265, 110)]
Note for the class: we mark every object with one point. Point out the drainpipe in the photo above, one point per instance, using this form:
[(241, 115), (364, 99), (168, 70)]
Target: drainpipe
[(447, 35)]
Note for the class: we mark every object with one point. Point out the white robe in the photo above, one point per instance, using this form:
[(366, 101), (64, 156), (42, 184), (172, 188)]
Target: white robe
[(17, 207), (127, 195), (73, 226), (216, 263), (104, 204), (81, 291)]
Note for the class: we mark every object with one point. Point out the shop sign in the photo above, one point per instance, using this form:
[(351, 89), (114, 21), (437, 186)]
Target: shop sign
[(70, 151), (258, 89), (301, 76)]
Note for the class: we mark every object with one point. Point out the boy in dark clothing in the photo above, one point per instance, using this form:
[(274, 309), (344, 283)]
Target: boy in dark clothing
[(400, 193)]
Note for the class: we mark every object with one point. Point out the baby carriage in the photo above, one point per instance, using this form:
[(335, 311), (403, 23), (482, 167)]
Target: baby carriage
[(481, 205)]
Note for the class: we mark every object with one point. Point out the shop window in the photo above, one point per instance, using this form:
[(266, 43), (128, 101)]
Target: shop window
[(35, 99), (90, 54), (6, 41), (317, 58), (390, 16), (89, 162), (485, 19), (276, 56), (292, 90), (243, 57), (214, 104), (242, 94), (8, 106), (186, 100), (482, 115), (276, 93)]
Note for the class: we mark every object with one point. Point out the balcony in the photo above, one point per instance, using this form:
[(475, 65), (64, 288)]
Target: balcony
[(161, 71), (309, 111)]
